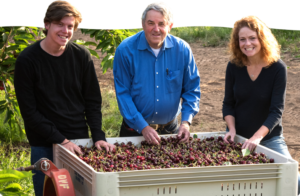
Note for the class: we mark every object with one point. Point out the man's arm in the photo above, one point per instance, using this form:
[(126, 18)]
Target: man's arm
[(190, 94), (24, 80), (123, 79)]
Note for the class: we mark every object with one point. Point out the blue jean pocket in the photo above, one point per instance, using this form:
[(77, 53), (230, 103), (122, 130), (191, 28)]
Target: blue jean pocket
[(174, 81)]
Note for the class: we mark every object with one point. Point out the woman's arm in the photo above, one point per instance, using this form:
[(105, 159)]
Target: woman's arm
[(230, 121), (228, 103), (256, 138)]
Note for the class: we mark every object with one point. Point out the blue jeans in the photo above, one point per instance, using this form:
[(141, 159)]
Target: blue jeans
[(38, 152), (278, 144)]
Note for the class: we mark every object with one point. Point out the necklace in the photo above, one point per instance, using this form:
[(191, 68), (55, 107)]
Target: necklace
[(252, 76)]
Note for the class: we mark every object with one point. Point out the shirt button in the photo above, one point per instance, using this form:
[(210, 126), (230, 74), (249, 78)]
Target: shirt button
[(155, 112), (153, 121), (156, 72), (157, 86), (157, 99)]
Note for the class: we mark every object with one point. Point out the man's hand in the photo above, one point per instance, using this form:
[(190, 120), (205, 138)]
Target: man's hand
[(71, 146), (151, 135), (184, 132), (108, 147)]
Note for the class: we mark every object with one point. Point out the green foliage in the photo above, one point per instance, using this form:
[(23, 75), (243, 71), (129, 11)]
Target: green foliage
[(14, 182), (14, 40), (10, 175), (108, 40)]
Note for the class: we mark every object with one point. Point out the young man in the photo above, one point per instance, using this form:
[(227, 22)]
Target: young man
[(153, 70), (57, 89)]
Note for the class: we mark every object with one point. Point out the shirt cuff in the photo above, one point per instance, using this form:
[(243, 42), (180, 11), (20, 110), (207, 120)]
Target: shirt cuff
[(56, 138), (138, 125), (187, 117)]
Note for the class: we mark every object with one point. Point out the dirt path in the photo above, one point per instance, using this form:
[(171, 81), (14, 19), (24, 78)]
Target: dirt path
[(212, 62)]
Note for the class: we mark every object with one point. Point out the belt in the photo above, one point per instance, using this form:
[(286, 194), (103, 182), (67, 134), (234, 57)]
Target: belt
[(159, 126), (154, 126)]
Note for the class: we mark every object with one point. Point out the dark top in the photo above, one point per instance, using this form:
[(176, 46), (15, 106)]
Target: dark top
[(58, 96), (255, 103)]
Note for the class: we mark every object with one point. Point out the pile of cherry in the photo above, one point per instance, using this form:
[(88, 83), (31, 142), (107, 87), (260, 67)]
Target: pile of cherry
[(170, 154)]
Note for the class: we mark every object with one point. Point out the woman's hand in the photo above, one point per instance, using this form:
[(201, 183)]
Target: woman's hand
[(252, 143), (256, 138), (230, 135)]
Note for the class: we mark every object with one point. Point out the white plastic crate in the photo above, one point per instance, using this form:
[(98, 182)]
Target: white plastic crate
[(273, 179)]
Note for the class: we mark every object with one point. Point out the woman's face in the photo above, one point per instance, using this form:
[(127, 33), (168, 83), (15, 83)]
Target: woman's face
[(249, 43)]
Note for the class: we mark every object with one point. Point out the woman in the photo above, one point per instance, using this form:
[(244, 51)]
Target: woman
[(255, 87)]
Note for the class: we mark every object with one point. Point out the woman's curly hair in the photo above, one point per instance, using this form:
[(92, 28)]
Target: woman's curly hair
[(270, 50)]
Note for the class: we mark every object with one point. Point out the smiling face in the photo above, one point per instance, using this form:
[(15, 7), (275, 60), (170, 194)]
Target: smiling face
[(249, 42), (156, 28), (60, 33)]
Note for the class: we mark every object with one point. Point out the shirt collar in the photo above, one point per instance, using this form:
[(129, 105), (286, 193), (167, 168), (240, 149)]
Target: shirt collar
[(143, 44)]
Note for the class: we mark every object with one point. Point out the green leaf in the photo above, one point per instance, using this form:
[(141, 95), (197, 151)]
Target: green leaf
[(245, 152), (13, 187), (10, 175), (26, 36), (4, 37), (227, 163), (12, 48), (8, 116), (3, 108), (3, 101), (9, 61), (103, 44), (94, 53), (79, 42), (195, 136), (90, 44), (11, 68)]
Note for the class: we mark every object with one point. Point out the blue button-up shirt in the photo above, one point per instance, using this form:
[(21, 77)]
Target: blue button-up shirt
[(149, 88)]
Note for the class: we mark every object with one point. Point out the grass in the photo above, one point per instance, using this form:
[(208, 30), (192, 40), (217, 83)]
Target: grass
[(14, 156), (111, 117)]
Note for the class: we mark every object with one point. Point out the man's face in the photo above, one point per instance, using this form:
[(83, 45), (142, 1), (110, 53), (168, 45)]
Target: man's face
[(156, 28), (61, 32)]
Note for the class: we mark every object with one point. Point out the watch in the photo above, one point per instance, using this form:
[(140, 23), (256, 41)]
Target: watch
[(185, 122)]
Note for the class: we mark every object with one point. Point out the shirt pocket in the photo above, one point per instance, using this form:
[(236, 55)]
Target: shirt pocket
[(174, 81)]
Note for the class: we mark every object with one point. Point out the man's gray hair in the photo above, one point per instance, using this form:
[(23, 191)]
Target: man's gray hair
[(160, 7)]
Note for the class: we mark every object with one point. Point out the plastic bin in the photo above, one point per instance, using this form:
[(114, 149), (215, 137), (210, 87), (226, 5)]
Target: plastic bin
[(272, 179)]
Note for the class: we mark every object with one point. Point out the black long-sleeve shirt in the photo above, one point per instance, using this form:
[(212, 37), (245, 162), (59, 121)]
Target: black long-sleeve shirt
[(58, 96), (256, 103)]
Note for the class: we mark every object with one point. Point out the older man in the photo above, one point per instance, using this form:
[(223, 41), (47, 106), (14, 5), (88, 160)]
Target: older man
[(152, 71)]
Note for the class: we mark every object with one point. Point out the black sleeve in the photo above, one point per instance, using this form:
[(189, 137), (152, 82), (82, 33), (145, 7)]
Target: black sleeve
[(229, 102), (92, 96), (24, 80), (277, 99)]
